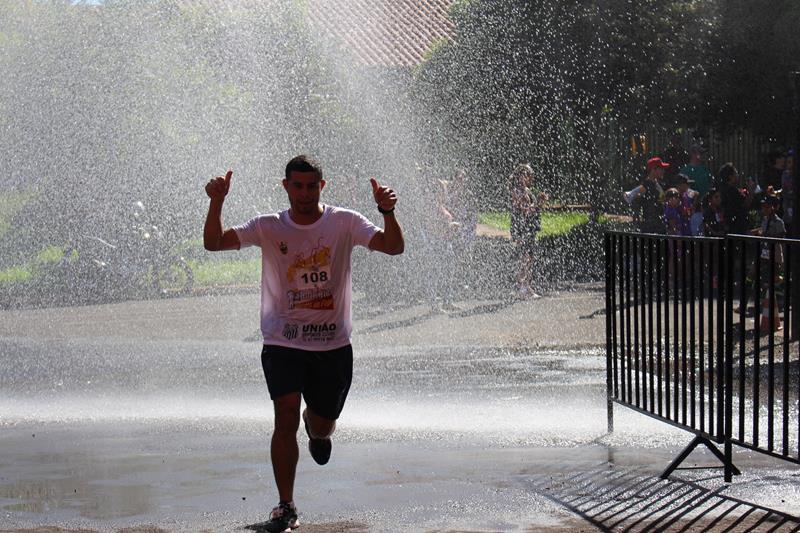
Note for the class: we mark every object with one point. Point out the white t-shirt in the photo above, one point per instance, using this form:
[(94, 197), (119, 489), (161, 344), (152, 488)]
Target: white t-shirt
[(306, 287)]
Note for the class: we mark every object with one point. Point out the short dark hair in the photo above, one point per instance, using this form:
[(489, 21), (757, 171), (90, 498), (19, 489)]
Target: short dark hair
[(303, 163), (726, 171)]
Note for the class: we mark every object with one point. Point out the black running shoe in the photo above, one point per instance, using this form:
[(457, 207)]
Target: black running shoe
[(283, 518), (320, 448)]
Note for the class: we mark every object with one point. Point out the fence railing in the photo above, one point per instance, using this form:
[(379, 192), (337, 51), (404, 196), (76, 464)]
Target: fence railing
[(683, 347)]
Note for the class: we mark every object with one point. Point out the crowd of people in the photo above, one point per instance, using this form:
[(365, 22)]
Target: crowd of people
[(681, 196), (689, 200)]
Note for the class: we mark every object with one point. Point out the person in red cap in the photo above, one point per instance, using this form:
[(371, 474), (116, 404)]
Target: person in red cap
[(650, 201)]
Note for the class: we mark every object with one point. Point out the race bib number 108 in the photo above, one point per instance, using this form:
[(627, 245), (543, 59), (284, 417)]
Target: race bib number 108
[(314, 277)]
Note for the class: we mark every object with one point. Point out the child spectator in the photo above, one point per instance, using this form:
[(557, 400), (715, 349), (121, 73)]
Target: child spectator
[(464, 207), (687, 194), (697, 217), (526, 220), (683, 184), (771, 226), (677, 223)]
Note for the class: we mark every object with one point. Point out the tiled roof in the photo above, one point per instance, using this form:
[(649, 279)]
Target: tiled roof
[(386, 33)]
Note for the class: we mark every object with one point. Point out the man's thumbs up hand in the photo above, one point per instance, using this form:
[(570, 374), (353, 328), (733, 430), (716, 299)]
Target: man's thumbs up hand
[(217, 188), (385, 197)]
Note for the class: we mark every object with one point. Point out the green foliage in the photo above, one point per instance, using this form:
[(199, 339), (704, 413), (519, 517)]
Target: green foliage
[(227, 272), (33, 268), (109, 104), (14, 275), (12, 203), (208, 272), (752, 84), (50, 255), (555, 82), (434, 49)]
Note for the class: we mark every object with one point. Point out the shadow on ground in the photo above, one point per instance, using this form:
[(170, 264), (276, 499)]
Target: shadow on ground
[(614, 500), (328, 527), (455, 312)]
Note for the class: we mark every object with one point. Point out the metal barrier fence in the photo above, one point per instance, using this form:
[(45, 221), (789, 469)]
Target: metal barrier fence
[(682, 346)]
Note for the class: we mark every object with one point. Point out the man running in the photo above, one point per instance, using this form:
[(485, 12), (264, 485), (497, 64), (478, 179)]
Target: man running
[(305, 308)]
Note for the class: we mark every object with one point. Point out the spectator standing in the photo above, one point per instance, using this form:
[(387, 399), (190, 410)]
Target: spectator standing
[(650, 201), (735, 207), (439, 238), (677, 157), (526, 217), (714, 223), (696, 218), (787, 190), (771, 226), (464, 208), (771, 176), (696, 170), (735, 202)]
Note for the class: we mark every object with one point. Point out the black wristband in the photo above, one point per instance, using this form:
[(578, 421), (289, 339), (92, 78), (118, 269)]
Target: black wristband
[(385, 211)]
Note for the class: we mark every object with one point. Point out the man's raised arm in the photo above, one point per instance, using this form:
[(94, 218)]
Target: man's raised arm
[(214, 238), (390, 240)]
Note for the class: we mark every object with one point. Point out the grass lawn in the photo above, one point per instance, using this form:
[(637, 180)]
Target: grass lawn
[(553, 224), (227, 268), (247, 271), (209, 272), (228, 272)]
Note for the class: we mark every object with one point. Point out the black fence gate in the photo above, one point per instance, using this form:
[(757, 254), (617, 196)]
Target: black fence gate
[(683, 345)]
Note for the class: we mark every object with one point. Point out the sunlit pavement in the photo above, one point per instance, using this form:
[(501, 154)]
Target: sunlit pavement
[(489, 417)]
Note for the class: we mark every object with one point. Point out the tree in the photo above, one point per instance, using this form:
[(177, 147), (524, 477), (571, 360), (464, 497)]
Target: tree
[(540, 80), (105, 105), (751, 84)]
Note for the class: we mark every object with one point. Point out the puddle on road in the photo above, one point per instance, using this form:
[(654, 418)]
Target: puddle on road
[(90, 499)]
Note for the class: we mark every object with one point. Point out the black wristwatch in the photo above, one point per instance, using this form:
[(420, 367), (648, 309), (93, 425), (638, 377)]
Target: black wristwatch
[(385, 211)]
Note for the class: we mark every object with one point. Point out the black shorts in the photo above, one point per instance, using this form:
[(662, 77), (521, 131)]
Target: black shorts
[(323, 378)]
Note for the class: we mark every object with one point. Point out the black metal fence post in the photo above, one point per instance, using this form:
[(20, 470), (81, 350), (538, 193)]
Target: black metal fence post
[(728, 361), (719, 366), (610, 312)]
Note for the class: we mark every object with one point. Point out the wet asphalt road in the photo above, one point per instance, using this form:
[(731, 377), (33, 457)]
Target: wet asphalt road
[(156, 413)]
